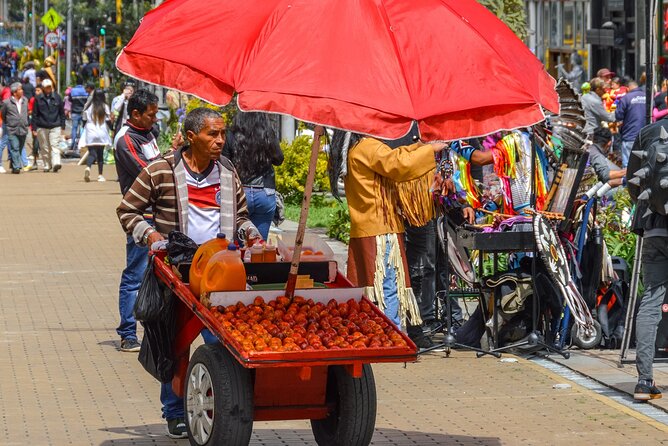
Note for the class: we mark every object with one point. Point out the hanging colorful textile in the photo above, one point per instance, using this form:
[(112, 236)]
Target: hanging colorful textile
[(460, 153), (512, 164)]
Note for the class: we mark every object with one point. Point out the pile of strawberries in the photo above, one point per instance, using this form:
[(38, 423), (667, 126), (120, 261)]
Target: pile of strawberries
[(284, 326)]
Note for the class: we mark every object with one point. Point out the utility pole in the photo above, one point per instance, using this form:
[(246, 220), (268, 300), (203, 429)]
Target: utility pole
[(68, 42), (25, 21), (46, 8), (119, 20), (32, 25)]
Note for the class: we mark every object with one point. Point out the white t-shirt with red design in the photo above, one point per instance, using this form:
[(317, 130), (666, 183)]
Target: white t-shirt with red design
[(203, 204)]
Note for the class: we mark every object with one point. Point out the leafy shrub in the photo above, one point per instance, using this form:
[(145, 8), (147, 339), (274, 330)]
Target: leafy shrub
[(339, 223), (291, 175), (615, 222)]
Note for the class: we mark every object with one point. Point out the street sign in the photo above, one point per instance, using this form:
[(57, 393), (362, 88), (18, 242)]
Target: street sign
[(51, 39), (52, 19)]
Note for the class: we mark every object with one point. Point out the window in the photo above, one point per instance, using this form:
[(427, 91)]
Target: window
[(568, 23), (555, 29)]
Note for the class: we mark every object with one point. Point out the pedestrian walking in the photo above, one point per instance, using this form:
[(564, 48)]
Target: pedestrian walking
[(594, 111), (254, 149), (631, 112), (96, 133), (651, 223), (78, 97), (48, 117), (15, 119)]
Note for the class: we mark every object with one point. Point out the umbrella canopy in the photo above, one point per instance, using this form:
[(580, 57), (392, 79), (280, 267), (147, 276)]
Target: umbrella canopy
[(370, 66)]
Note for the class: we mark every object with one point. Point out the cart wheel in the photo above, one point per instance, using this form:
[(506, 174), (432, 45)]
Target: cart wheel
[(218, 398), (587, 341), (352, 416)]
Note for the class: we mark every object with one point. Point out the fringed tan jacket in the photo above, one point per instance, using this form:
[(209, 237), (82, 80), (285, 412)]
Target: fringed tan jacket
[(379, 178)]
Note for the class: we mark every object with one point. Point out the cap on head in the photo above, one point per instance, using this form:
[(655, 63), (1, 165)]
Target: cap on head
[(604, 72), (47, 83)]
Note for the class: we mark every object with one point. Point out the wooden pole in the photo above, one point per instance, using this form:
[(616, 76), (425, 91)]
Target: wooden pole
[(301, 228)]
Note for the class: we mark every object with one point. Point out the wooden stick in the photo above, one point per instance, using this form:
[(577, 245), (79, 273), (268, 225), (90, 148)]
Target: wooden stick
[(301, 228)]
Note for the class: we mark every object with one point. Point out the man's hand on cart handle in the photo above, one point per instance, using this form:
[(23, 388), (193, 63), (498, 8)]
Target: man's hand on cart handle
[(153, 237)]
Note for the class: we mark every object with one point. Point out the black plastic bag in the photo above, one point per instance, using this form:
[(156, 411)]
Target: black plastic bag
[(180, 248), (149, 297), (156, 353)]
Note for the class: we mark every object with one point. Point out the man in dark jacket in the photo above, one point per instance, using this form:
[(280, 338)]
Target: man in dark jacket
[(15, 117), (78, 97), (653, 227), (48, 117), (135, 147), (631, 112)]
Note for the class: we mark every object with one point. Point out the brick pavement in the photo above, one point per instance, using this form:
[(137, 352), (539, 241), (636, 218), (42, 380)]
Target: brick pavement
[(63, 381)]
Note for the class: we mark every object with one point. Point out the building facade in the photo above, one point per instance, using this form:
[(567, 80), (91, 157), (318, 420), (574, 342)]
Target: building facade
[(606, 33)]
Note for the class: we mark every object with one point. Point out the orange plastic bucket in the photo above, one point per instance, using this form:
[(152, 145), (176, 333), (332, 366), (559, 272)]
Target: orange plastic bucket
[(201, 258), (224, 272)]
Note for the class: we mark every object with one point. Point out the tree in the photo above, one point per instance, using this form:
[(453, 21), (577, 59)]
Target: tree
[(511, 12)]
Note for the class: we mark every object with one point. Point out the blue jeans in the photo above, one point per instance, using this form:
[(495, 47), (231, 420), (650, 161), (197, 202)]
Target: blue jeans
[(136, 260), (261, 207), (4, 142), (16, 143), (172, 405), (390, 288), (76, 121), (626, 152)]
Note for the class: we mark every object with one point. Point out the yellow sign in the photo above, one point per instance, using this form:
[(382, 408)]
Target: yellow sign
[(52, 19)]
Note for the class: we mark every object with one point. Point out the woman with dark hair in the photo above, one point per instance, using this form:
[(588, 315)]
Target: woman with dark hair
[(96, 133), (253, 147)]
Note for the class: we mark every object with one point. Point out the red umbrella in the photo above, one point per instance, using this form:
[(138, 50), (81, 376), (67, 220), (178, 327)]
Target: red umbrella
[(370, 66)]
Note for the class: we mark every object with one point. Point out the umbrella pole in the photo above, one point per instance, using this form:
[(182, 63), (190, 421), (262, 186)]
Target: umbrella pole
[(301, 228)]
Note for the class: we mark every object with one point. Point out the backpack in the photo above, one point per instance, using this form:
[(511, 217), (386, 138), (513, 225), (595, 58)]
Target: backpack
[(652, 177)]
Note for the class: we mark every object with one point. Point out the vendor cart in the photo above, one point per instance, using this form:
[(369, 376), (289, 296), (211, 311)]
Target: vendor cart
[(226, 388)]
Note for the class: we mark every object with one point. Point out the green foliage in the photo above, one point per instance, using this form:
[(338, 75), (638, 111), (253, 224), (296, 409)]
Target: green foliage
[(339, 223), (291, 175), (511, 12), (227, 111), (615, 223)]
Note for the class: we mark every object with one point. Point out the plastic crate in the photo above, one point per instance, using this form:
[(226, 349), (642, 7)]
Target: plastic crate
[(312, 243)]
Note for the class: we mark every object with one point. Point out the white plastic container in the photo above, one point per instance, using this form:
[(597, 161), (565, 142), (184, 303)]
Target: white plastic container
[(314, 248)]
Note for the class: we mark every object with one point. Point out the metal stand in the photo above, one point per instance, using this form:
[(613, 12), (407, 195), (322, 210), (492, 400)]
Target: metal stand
[(629, 323), (534, 338), (450, 340)]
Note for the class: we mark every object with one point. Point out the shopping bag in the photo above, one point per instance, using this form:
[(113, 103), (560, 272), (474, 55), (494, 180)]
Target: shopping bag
[(150, 298), (82, 140), (156, 353)]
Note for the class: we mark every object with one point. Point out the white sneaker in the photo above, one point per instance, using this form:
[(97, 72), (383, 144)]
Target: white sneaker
[(2, 170), (87, 175), (101, 179)]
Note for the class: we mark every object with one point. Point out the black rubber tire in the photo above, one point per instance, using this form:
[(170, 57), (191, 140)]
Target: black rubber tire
[(353, 417), (233, 397), (590, 342)]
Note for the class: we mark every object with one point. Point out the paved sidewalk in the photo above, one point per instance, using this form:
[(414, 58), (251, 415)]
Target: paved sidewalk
[(63, 381)]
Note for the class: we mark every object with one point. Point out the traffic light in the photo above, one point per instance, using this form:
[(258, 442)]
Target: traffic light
[(103, 31)]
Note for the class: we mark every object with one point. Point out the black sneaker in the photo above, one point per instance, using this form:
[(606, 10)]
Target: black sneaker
[(130, 345), (176, 428), (422, 341), (432, 327), (56, 168), (646, 390)]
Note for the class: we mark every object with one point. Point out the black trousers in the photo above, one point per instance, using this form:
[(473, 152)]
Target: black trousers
[(421, 259)]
